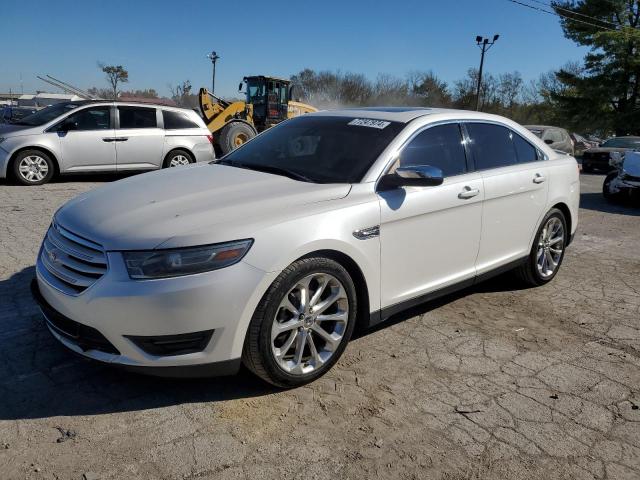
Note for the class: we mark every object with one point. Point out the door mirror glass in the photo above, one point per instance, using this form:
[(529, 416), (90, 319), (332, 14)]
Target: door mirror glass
[(548, 141), (412, 176), (240, 86)]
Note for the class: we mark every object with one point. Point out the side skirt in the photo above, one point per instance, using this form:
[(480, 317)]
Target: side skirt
[(380, 316)]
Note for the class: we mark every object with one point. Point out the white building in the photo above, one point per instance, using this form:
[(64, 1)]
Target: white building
[(43, 99)]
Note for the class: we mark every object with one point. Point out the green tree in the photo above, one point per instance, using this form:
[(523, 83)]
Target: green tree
[(605, 94), (115, 74)]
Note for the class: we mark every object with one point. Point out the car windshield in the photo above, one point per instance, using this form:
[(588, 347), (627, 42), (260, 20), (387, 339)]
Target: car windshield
[(46, 114), (318, 149), (536, 131), (632, 142)]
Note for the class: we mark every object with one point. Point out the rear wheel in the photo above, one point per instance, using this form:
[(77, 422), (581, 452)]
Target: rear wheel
[(33, 167), (302, 324), (177, 158), (234, 135), (547, 251)]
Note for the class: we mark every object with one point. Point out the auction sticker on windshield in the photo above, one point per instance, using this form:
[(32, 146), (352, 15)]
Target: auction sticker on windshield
[(368, 122)]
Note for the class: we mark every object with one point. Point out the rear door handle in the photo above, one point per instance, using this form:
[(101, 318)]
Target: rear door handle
[(538, 178), (121, 139), (468, 192)]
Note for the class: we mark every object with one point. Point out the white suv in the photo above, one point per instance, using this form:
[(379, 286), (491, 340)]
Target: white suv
[(99, 136), (271, 255)]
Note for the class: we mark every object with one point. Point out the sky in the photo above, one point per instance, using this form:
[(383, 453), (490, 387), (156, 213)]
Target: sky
[(163, 43)]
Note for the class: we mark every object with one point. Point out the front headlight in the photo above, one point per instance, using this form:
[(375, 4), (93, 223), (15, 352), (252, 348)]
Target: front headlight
[(184, 261)]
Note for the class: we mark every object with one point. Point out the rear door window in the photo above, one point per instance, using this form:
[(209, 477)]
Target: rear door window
[(440, 147), (492, 145), (137, 117), (177, 120), (524, 150)]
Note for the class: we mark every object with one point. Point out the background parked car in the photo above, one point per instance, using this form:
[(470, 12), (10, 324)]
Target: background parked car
[(598, 158), (580, 144), (556, 137), (94, 136), (11, 114)]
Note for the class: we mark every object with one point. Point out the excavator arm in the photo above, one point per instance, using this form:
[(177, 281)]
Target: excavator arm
[(218, 112)]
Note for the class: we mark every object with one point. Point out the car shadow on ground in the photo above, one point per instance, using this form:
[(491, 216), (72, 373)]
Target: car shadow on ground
[(39, 378), (596, 201), (79, 177)]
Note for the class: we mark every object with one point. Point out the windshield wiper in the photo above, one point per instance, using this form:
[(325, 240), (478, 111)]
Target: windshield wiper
[(268, 169)]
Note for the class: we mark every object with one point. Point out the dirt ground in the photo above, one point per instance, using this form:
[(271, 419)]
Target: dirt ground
[(494, 382)]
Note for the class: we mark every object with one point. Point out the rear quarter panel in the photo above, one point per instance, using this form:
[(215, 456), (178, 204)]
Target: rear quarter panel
[(191, 139), (564, 185)]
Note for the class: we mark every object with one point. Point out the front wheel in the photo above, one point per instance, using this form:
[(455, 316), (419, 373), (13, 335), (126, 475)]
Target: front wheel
[(235, 134), (33, 167), (302, 324), (547, 251)]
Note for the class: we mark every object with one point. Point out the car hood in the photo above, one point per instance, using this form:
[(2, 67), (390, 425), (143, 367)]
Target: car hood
[(186, 206), (12, 129)]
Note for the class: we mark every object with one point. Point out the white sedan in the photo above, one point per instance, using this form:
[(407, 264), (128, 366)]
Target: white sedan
[(272, 255)]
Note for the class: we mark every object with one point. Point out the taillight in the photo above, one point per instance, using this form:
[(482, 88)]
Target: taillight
[(210, 138)]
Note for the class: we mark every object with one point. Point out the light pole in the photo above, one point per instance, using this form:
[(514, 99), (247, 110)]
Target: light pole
[(484, 45), (213, 56)]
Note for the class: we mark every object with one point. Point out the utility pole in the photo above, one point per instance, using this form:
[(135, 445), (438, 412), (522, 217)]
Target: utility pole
[(213, 56), (484, 45)]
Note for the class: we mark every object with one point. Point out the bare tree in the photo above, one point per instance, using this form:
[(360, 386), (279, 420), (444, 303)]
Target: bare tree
[(181, 94), (115, 74)]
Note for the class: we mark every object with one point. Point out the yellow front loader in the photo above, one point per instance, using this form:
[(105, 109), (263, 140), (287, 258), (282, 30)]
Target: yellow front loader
[(268, 102)]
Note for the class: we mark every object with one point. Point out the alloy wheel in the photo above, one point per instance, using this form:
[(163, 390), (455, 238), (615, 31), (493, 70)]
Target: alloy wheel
[(309, 324), (33, 168), (179, 160), (550, 247)]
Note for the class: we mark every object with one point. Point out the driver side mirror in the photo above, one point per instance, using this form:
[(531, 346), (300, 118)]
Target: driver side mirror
[(240, 86), (412, 176), (548, 141)]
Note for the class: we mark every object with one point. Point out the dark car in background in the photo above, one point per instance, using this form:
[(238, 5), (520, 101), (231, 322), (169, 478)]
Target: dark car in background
[(597, 159), (556, 137), (11, 114)]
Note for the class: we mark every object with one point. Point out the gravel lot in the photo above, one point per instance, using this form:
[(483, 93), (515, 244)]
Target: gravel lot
[(493, 382)]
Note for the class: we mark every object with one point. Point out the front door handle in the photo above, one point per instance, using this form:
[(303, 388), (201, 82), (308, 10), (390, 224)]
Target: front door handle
[(538, 178), (468, 192), (108, 139), (121, 139)]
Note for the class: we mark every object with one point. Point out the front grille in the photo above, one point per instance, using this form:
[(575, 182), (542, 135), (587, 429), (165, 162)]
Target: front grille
[(85, 337), (71, 263)]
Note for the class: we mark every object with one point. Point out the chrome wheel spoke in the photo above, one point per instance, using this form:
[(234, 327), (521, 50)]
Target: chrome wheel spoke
[(286, 346), (317, 359), (333, 317), (327, 337), (300, 344)]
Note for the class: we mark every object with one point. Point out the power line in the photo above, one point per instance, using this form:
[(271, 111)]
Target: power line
[(572, 12), (533, 7)]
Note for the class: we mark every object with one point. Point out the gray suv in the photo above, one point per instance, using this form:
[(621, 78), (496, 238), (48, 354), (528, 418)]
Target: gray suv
[(101, 136), (556, 137)]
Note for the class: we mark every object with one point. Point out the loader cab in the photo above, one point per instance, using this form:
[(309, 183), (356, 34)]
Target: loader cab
[(269, 97)]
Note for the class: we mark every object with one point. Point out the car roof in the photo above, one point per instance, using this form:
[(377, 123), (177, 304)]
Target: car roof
[(393, 114), (542, 127), (126, 103)]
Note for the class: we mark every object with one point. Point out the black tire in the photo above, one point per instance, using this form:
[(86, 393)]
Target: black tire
[(235, 134), (258, 355), (22, 177), (174, 154), (528, 272), (606, 187)]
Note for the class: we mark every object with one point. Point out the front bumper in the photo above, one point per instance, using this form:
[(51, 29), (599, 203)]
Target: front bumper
[(119, 312)]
